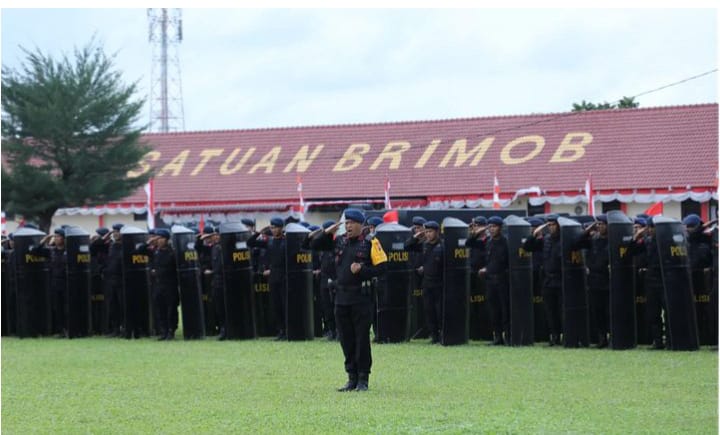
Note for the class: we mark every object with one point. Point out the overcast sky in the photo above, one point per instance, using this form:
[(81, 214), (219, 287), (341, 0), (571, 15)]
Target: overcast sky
[(248, 68)]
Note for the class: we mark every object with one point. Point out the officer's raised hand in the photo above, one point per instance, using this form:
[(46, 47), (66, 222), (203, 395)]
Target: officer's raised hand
[(540, 229), (332, 229), (355, 268)]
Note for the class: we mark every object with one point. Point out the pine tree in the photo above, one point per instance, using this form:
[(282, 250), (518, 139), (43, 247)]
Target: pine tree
[(69, 134)]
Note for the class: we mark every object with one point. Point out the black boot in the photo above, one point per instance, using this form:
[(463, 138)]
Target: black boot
[(362, 383), (170, 335), (602, 341), (222, 335), (350, 384)]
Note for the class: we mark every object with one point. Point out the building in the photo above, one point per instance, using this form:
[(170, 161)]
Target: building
[(634, 157)]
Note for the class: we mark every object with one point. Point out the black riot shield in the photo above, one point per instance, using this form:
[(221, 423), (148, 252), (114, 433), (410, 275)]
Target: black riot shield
[(456, 288), (395, 287), (623, 331), (8, 300), (714, 285), (576, 325), (643, 332), (32, 286), (77, 298), (299, 282), (239, 292), (677, 283), (417, 314), (188, 271), (136, 282), (521, 283)]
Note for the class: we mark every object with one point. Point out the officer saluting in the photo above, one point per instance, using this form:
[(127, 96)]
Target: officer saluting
[(357, 261)]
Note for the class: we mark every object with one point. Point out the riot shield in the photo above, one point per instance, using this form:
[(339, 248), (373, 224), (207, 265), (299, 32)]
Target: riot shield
[(77, 296), (395, 288), (32, 286), (643, 332), (623, 332), (237, 270), (521, 283), (299, 282), (456, 288), (677, 283), (417, 314), (136, 282), (188, 271), (576, 326), (8, 300)]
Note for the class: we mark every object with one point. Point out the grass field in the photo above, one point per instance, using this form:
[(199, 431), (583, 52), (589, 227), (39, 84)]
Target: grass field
[(102, 385)]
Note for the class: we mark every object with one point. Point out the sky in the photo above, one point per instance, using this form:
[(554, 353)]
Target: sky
[(255, 68)]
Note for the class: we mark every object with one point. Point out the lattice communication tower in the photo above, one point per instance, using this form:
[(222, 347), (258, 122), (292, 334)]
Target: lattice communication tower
[(166, 103)]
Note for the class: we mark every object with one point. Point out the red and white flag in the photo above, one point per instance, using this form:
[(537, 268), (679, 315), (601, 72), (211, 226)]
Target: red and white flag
[(4, 223), (388, 206), (496, 193), (201, 223), (655, 209), (300, 195), (150, 192), (589, 195)]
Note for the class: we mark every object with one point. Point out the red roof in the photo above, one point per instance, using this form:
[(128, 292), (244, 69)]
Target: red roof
[(647, 148)]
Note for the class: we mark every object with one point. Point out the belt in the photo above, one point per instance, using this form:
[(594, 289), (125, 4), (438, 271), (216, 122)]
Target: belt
[(345, 288)]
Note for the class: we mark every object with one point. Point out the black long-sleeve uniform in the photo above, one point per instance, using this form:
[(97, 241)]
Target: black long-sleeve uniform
[(353, 302), (432, 256)]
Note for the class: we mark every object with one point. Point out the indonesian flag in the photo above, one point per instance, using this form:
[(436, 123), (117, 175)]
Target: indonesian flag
[(655, 209), (300, 195), (150, 192), (589, 195), (388, 206), (4, 223), (496, 193), (201, 223)]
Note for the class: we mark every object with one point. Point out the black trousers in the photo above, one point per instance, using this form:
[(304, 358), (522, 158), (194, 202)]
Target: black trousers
[(218, 295), (552, 297), (328, 304), (655, 304), (498, 298), (353, 322), (432, 302), (278, 294), (113, 303), (599, 310)]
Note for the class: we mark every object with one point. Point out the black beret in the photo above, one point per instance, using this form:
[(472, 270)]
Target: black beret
[(432, 225), (418, 220), (480, 220), (117, 227), (102, 231), (328, 224), (313, 227), (277, 222), (535, 222), (354, 214), (601, 218), (374, 221), (162, 232), (60, 232), (551, 218), (692, 220), (248, 222), (495, 220), (208, 229), (640, 221)]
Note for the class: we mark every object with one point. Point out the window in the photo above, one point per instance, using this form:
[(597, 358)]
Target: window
[(610, 206), (689, 206)]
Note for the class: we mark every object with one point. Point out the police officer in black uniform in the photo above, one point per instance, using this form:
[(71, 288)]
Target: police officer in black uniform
[(700, 258), (645, 243), (327, 288), (52, 246), (549, 245), (498, 284), (203, 247), (476, 242), (99, 250), (113, 282), (432, 271), (163, 273), (275, 272), (354, 265), (597, 259), (416, 260)]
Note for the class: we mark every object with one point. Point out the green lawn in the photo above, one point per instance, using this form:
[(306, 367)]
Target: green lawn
[(102, 385)]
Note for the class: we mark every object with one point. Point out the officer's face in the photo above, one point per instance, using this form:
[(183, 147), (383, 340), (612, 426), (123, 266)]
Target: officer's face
[(431, 234), (554, 228), (161, 242), (352, 228), (602, 228), (276, 231), (495, 230)]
